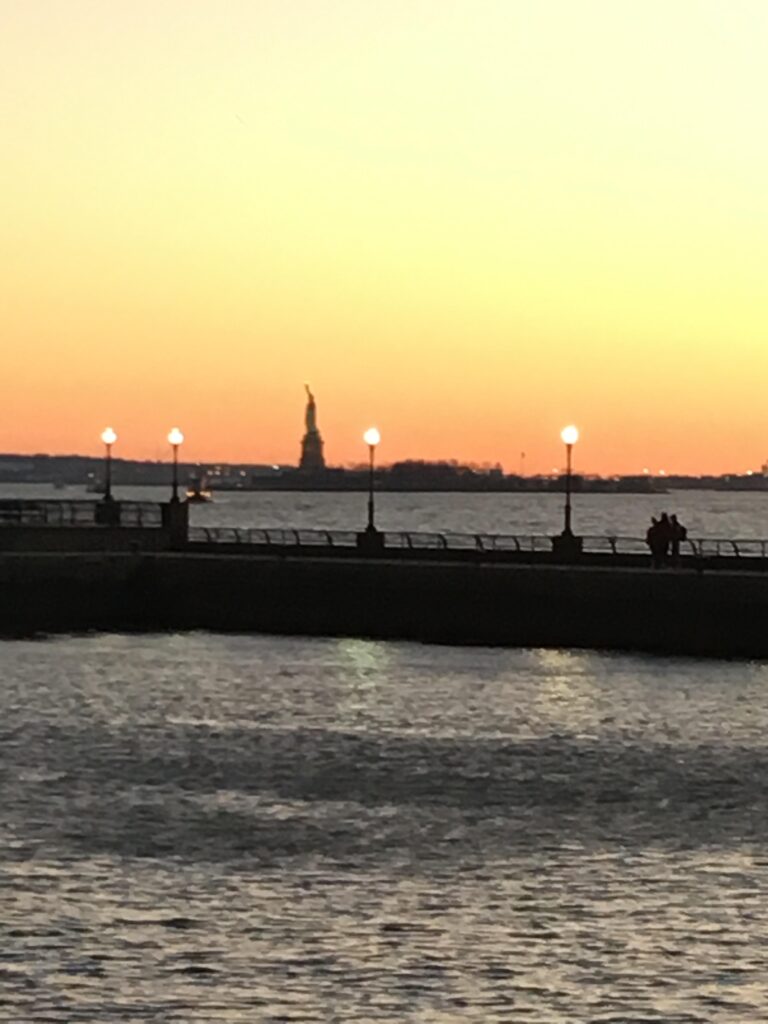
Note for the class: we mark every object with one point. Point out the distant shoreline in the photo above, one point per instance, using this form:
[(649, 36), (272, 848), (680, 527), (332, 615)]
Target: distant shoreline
[(406, 477), (383, 487)]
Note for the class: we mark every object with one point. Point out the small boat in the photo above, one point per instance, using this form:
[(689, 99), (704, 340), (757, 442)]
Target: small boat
[(197, 490), (94, 485)]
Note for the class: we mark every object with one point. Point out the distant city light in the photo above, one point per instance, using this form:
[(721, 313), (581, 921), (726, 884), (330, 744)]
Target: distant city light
[(570, 435), (175, 437), (372, 437), (108, 436)]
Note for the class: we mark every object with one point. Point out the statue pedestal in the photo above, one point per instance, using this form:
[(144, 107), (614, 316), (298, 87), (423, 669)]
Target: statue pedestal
[(312, 458), (566, 547), (370, 542)]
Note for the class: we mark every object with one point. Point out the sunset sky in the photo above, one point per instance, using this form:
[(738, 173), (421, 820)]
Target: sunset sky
[(469, 222)]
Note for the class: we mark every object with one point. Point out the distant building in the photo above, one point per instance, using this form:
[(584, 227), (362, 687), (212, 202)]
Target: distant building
[(312, 459)]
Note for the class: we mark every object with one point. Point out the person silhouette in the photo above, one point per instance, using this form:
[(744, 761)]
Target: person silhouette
[(665, 537), (678, 534), (654, 540)]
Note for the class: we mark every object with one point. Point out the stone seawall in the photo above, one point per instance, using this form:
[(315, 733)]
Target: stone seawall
[(84, 539), (718, 614)]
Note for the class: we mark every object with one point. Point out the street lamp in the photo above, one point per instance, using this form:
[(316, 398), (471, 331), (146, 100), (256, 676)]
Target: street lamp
[(371, 438), (175, 438), (570, 436), (109, 437)]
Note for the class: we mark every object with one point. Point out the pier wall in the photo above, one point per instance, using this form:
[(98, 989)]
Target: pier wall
[(84, 538), (684, 612)]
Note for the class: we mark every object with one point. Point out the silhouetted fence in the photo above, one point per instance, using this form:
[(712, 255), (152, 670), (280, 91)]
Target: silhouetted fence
[(280, 537), (23, 512), (85, 513)]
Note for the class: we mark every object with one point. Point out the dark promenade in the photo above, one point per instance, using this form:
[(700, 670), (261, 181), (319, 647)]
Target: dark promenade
[(141, 568)]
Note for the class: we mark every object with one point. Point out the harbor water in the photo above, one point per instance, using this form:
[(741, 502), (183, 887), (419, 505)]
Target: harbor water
[(246, 828), (717, 514)]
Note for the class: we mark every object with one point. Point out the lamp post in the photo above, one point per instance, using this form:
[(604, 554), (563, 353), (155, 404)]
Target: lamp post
[(175, 438), (109, 437), (570, 436), (371, 438)]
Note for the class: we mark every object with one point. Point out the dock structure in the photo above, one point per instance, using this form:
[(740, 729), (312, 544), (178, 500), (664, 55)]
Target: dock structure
[(88, 525), (64, 567)]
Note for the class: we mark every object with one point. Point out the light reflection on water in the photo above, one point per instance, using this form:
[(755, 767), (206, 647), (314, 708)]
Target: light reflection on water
[(261, 829)]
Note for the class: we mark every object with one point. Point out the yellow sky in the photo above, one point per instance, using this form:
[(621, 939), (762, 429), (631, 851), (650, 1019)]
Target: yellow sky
[(468, 221)]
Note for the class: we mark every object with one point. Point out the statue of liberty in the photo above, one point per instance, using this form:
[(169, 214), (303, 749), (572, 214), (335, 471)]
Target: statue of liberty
[(310, 416), (312, 459)]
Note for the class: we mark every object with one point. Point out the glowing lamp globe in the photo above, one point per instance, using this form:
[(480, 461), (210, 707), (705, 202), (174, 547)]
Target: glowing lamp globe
[(570, 435), (175, 437), (372, 437), (108, 436)]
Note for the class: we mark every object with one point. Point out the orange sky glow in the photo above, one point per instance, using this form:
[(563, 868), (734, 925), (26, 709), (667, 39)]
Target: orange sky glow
[(469, 222)]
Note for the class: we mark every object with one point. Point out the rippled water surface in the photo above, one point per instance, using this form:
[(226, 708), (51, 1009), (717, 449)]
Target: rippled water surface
[(718, 514), (205, 828)]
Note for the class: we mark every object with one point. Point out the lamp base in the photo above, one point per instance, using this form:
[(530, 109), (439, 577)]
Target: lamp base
[(567, 547), (176, 521), (370, 541), (107, 512)]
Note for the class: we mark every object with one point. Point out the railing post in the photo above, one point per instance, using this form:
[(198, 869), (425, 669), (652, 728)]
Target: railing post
[(370, 542), (175, 521), (566, 547), (107, 513)]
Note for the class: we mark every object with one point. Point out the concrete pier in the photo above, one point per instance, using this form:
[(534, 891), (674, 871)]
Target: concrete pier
[(721, 614)]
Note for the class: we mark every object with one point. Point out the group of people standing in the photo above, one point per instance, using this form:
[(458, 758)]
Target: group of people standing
[(664, 537)]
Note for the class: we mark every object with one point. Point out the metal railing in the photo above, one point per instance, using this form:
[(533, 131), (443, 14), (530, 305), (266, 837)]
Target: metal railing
[(17, 513), (717, 548), (405, 540), (84, 513), (281, 537)]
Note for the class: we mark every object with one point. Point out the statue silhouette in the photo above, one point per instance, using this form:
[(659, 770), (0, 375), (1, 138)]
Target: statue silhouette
[(310, 416), (312, 459)]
